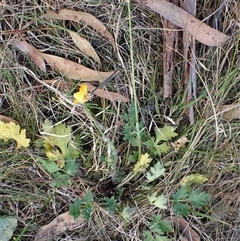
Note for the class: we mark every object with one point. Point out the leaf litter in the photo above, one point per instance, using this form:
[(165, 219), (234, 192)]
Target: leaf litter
[(84, 46), (108, 95), (66, 67), (181, 18), (60, 224), (89, 19), (73, 70), (32, 52), (96, 61)]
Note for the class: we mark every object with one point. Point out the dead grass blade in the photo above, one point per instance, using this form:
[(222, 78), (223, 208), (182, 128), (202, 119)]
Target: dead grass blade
[(170, 44), (32, 52), (89, 19), (60, 224), (189, 53), (2, 6), (201, 31), (84, 46), (74, 70)]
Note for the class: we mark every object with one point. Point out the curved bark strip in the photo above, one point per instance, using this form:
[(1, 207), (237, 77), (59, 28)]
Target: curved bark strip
[(183, 225), (170, 47)]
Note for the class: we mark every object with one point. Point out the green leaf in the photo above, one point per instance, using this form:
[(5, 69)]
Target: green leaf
[(155, 172), (148, 236), (127, 212), (193, 178), (59, 142), (87, 211), (127, 131), (131, 116), (71, 167), (143, 163), (88, 198), (82, 206), (60, 179), (165, 134), (158, 201), (87, 206), (180, 195), (182, 209), (161, 238), (112, 204), (75, 208), (197, 198), (50, 165), (7, 227), (160, 226), (162, 148), (150, 144), (134, 141), (134, 157)]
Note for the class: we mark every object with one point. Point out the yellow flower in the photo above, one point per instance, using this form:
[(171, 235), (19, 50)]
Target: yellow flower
[(82, 95)]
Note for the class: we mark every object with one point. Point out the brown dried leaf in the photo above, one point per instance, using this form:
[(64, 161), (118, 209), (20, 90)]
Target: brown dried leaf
[(201, 31), (6, 119), (231, 112), (60, 224), (33, 53), (74, 70), (84, 46), (89, 19), (184, 226), (62, 84), (112, 96), (180, 143)]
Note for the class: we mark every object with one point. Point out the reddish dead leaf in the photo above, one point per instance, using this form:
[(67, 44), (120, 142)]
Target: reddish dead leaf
[(84, 46), (169, 48), (231, 112), (33, 53), (89, 19), (112, 96), (74, 70), (201, 31), (6, 119), (60, 224), (184, 226)]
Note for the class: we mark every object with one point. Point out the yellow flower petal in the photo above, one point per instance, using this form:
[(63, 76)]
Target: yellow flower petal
[(82, 95)]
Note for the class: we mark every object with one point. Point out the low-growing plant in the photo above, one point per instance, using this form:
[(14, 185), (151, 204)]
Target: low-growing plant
[(83, 206), (159, 229), (62, 150)]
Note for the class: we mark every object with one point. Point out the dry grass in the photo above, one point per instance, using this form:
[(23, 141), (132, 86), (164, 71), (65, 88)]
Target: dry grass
[(214, 144)]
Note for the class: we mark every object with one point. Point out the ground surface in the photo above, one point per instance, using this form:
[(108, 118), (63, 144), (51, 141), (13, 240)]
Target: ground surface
[(107, 154)]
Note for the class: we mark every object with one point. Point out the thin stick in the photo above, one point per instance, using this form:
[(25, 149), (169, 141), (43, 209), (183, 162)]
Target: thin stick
[(106, 80)]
